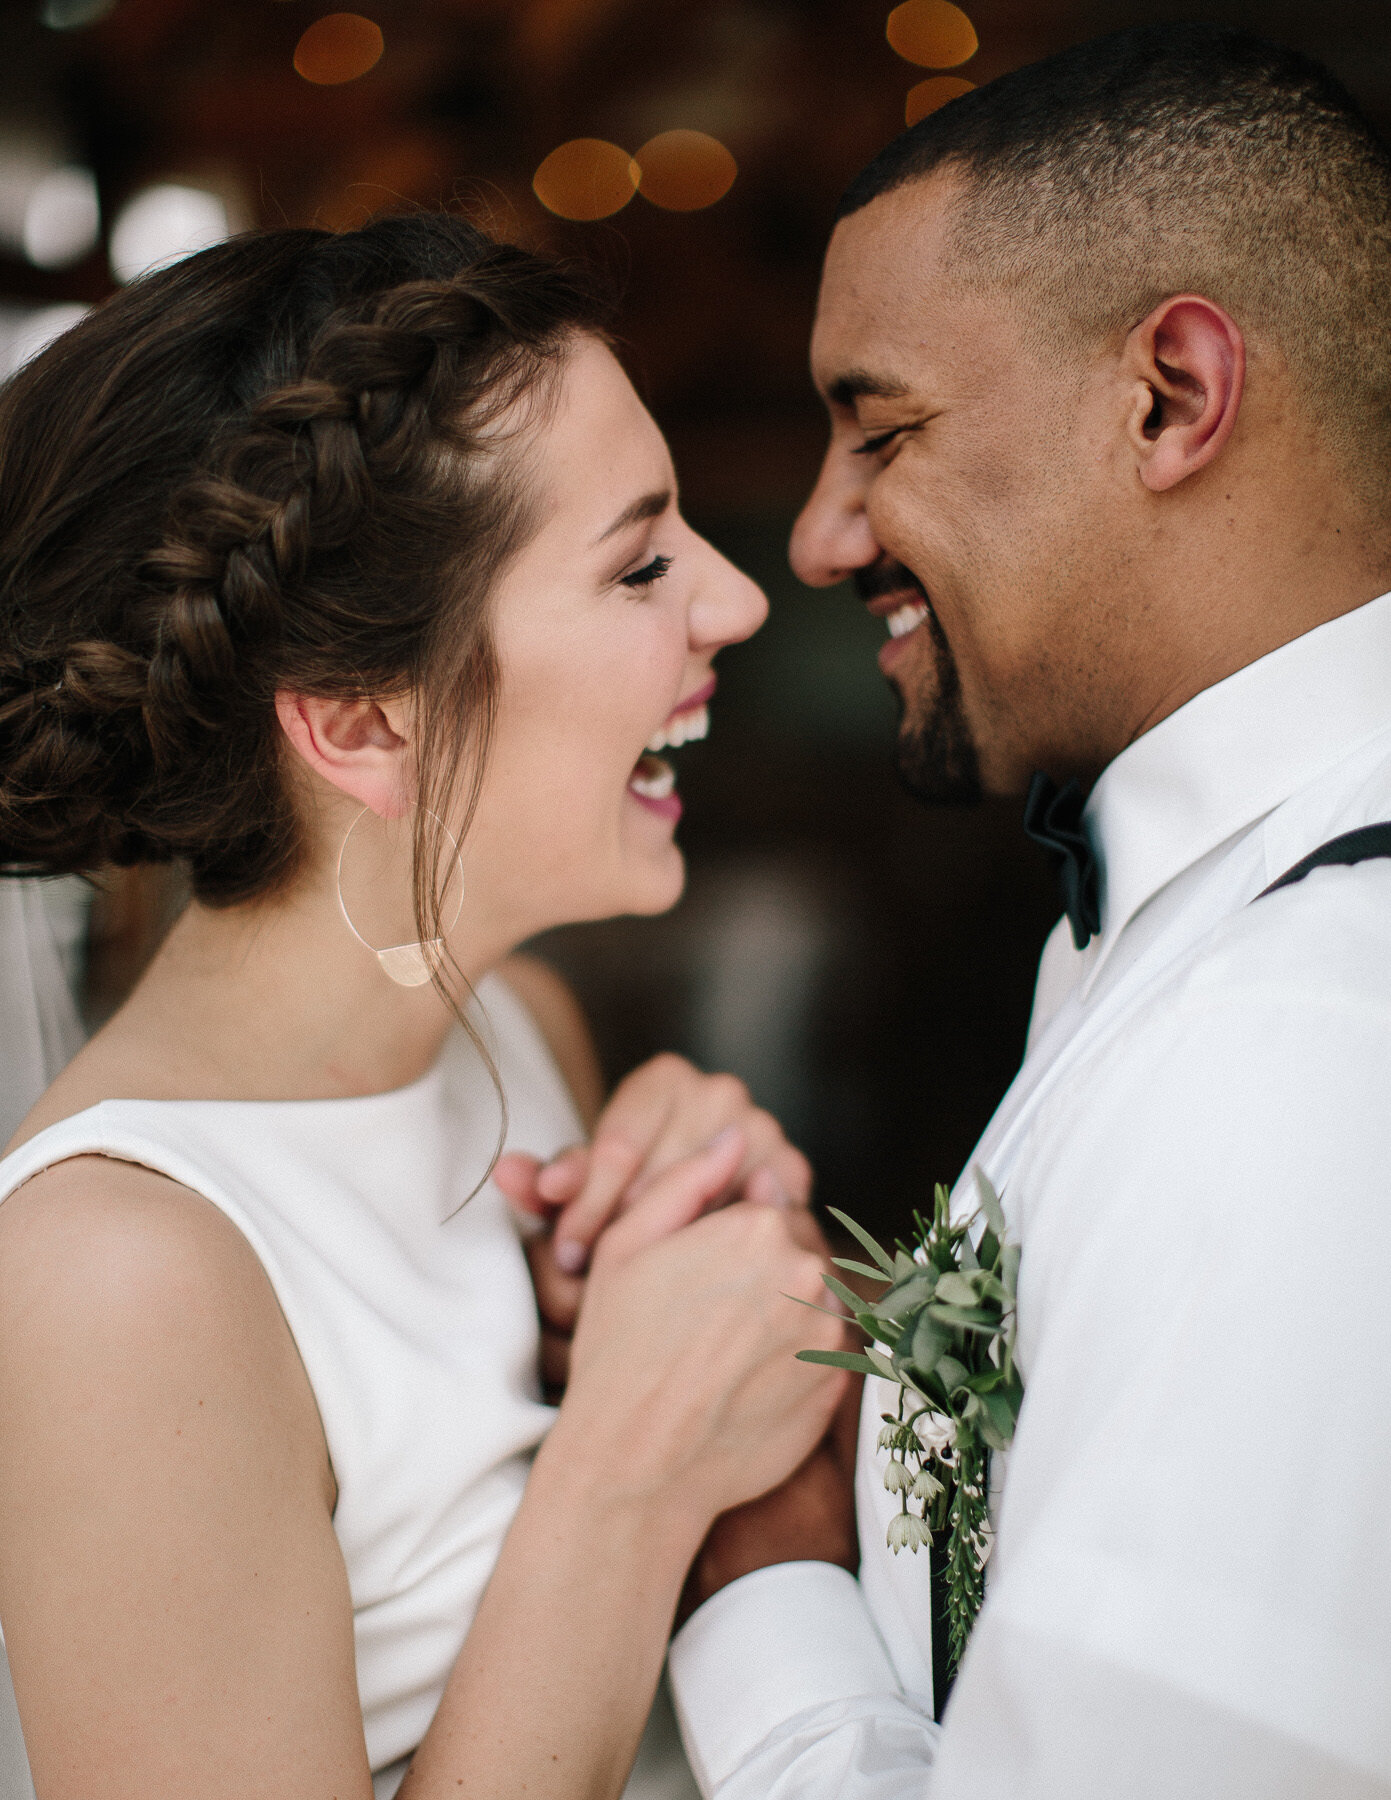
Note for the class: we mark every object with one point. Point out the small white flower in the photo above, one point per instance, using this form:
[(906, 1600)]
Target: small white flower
[(888, 1437), (907, 1532), (926, 1487), (937, 1434), (896, 1478)]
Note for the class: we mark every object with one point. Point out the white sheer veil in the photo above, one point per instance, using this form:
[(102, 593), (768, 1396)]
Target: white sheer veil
[(42, 929), (42, 932)]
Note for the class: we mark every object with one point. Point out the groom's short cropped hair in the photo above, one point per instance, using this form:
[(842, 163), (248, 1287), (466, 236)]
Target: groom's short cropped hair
[(1174, 159)]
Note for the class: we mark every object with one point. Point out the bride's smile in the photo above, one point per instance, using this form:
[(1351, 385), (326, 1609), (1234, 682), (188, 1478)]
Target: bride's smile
[(606, 626)]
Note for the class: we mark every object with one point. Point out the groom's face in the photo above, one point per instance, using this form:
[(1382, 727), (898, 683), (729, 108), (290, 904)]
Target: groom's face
[(964, 492)]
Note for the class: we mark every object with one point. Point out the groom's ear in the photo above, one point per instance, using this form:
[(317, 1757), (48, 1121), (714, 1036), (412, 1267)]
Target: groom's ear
[(1186, 366)]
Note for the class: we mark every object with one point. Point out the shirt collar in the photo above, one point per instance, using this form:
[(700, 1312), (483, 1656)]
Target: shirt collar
[(1233, 753)]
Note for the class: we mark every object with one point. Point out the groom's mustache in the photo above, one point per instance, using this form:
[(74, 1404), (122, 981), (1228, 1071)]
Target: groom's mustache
[(887, 577)]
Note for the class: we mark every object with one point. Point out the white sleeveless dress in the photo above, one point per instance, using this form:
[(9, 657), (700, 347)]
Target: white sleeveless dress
[(415, 1320)]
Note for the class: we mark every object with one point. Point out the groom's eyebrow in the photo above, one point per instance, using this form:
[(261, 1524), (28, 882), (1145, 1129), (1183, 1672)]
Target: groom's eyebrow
[(650, 506), (860, 384)]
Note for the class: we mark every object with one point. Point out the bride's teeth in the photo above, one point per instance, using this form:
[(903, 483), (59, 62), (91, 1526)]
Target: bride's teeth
[(653, 778), (681, 728), (908, 617)]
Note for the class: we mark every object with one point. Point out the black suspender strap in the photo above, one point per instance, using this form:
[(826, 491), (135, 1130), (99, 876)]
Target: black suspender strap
[(1352, 847)]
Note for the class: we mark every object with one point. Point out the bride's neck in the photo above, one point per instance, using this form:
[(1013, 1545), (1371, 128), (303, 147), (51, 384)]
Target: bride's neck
[(276, 1001)]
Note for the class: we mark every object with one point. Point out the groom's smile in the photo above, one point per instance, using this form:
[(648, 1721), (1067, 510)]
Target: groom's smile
[(972, 492)]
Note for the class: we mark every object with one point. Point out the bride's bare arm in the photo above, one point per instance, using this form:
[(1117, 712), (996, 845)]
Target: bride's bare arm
[(175, 1605)]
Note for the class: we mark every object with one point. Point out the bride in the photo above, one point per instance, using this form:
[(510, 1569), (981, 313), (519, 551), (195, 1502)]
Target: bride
[(348, 572)]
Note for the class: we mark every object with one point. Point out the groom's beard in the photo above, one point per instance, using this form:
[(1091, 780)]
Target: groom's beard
[(937, 759)]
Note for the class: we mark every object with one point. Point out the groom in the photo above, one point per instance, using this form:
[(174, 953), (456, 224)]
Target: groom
[(1107, 354)]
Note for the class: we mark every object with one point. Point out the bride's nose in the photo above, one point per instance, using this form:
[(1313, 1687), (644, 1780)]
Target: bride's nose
[(727, 606)]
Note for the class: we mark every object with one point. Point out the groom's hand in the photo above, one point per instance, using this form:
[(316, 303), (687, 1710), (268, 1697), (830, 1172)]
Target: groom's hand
[(810, 1518), (664, 1111)]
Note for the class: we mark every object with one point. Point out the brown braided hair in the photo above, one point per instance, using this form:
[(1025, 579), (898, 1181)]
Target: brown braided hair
[(278, 464)]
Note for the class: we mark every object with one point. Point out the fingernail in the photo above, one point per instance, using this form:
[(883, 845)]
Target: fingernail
[(570, 1256)]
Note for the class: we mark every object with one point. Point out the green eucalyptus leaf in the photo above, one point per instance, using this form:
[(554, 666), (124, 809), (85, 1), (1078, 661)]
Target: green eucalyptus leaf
[(904, 1266), (880, 1363), (990, 1202), (845, 1294), (858, 1268), (950, 1372), (1009, 1269), (966, 1318), (839, 1359), (969, 1259), (866, 1242), (930, 1342), (955, 1290), (906, 1296)]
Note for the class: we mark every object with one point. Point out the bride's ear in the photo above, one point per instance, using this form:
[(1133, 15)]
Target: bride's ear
[(361, 747)]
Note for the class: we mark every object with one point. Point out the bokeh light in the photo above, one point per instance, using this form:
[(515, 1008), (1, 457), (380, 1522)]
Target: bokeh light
[(339, 47), (162, 224), (928, 95), (588, 178), (932, 33), (72, 15), (48, 214), (685, 170), (63, 218)]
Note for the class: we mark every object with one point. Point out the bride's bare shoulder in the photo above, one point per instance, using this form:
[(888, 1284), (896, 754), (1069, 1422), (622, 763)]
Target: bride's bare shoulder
[(118, 1280), (95, 1230)]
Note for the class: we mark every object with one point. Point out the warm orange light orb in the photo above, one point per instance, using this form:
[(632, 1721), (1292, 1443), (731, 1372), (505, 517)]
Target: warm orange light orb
[(932, 33), (684, 170), (586, 179), (338, 48), (928, 95)]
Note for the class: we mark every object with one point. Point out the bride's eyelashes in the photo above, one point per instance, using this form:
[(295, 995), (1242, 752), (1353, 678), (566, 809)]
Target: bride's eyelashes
[(647, 574)]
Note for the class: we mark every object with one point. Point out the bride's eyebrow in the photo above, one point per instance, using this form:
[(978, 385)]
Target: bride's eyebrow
[(651, 506)]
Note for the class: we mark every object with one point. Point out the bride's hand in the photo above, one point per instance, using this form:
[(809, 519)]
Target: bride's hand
[(660, 1113), (684, 1375)]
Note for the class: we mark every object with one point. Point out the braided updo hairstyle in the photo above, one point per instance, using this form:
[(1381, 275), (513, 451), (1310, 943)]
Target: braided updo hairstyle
[(280, 464)]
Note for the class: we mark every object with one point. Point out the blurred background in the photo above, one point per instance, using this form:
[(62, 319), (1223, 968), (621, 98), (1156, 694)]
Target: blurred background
[(863, 962)]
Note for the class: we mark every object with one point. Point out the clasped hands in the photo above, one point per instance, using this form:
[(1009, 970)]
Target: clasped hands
[(665, 1112)]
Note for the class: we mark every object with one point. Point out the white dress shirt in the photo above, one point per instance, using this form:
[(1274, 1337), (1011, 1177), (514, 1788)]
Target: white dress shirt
[(1189, 1594)]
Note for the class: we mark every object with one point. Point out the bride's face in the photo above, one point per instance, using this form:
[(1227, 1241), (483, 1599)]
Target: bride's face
[(606, 626)]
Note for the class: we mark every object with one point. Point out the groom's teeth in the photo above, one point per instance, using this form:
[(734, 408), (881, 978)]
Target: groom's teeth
[(682, 728), (653, 778), (908, 617)]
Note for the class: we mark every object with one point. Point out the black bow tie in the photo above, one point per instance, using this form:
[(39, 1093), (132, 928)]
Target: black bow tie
[(1053, 818)]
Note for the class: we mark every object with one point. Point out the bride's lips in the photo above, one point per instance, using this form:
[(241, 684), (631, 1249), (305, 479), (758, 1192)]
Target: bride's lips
[(701, 697), (653, 780)]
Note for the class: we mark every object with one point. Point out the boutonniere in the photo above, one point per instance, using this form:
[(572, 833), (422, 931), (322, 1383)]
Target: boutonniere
[(943, 1332)]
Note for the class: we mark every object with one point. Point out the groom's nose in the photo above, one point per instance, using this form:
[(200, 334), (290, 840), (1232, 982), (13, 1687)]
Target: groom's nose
[(832, 537)]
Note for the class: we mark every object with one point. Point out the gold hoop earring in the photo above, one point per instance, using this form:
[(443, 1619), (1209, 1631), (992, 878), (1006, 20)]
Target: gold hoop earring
[(408, 965)]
